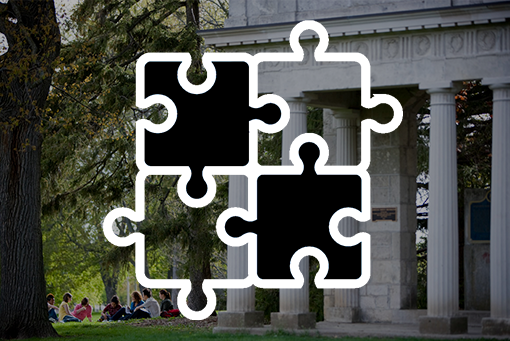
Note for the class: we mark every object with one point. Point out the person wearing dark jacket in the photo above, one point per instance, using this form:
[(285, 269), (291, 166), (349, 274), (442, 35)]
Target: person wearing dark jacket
[(166, 303), (111, 309)]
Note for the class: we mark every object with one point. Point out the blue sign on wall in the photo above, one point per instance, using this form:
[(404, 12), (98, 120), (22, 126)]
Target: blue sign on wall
[(480, 219)]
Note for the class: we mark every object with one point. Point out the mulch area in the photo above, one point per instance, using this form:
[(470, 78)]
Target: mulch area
[(207, 323)]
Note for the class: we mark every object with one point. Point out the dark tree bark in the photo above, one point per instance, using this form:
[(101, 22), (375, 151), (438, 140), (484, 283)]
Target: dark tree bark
[(33, 37), (192, 12), (110, 279), (197, 299), (199, 256)]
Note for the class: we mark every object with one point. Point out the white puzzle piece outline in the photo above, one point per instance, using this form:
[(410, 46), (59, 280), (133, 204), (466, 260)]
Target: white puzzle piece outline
[(252, 169)]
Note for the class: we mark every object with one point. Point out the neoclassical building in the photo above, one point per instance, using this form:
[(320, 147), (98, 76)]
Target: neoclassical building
[(417, 50)]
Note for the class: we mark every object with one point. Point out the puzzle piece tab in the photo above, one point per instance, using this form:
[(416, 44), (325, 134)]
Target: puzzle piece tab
[(294, 211), (212, 128)]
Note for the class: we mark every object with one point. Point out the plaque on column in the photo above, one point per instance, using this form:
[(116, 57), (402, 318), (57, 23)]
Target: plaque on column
[(384, 214)]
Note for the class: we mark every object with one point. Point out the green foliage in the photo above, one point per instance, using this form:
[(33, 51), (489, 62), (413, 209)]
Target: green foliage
[(316, 295), (474, 133), (314, 121), (73, 247), (89, 148), (267, 301), (421, 250)]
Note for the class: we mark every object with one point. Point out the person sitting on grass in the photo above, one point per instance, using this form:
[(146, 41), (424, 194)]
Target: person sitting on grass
[(166, 303), (167, 307), (64, 314), (111, 309), (83, 310), (149, 309), (52, 309), (124, 313)]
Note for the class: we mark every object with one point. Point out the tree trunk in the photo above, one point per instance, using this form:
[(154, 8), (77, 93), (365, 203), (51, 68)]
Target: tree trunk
[(175, 292), (33, 37), (197, 299), (110, 280), (199, 257), (192, 13), (22, 303)]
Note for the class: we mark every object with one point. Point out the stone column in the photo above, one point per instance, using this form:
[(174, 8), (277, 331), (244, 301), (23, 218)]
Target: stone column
[(294, 303), (295, 127), (443, 244), (346, 303), (240, 302), (499, 321)]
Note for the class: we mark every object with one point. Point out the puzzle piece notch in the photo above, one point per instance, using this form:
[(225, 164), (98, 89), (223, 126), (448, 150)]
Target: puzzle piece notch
[(305, 209)]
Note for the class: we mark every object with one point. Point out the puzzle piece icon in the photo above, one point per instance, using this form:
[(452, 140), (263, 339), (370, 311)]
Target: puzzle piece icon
[(211, 128), (293, 211), (296, 213), (211, 125)]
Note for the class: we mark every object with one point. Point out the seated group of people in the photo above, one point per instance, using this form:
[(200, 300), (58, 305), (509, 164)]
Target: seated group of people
[(140, 308)]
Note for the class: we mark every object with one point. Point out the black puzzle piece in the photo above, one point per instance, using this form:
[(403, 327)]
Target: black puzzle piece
[(294, 212), (212, 129)]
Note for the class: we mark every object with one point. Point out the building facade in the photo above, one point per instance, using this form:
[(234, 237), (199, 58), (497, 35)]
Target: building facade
[(417, 50)]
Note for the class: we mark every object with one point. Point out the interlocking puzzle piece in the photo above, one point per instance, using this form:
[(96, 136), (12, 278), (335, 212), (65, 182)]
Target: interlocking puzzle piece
[(210, 123), (211, 128), (297, 210), (293, 212)]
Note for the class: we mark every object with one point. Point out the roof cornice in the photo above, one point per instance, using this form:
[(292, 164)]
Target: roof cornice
[(364, 24)]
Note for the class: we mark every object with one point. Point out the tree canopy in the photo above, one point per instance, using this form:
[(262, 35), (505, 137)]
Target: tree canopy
[(89, 153)]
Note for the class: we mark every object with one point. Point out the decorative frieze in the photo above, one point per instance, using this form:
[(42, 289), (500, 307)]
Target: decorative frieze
[(405, 46), (421, 45), (390, 48)]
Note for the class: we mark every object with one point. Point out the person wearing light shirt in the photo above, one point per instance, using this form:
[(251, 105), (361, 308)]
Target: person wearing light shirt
[(64, 315), (149, 309)]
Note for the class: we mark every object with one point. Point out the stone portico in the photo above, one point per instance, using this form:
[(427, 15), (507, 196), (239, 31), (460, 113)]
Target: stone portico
[(417, 50)]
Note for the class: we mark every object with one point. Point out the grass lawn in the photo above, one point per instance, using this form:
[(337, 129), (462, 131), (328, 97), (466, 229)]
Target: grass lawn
[(123, 331)]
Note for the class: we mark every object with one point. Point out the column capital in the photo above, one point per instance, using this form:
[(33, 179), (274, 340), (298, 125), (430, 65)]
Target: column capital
[(297, 104), (440, 87), (296, 99), (497, 82), (345, 113), (293, 96)]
